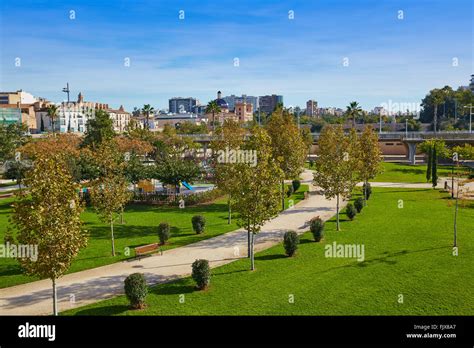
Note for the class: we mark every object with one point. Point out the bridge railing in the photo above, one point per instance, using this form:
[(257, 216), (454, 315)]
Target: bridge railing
[(454, 135)]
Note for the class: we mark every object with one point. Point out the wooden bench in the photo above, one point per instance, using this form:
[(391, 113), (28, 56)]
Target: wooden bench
[(146, 249)]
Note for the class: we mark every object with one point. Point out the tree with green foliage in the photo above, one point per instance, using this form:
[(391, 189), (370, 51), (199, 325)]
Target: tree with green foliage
[(434, 168), (99, 129), (213, 108), (336, 167), (429, 162), (148, 110), (258, 188), (12, 136), (289, 149), (353, 111), (173, 171), (53, 113), (49, 217)]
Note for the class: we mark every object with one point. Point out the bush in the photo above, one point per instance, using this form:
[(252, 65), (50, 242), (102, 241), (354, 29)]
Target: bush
[(201, 273), (351, 211), (136, 290), (359, 204), (369, 190), (290, 191), (316, 226), (296, 185), (199, 222), (163, 232), (311, 163), (290, 242)]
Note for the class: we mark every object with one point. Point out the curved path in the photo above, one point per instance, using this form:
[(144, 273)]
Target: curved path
[(85, 287)]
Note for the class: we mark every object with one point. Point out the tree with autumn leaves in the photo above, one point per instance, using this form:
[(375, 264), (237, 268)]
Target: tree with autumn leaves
[(257, 189), (288, 147), (109, 191), (48, 216), (230, 136)]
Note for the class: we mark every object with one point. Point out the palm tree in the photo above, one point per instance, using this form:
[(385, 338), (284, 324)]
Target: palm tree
[(353, 111), (213, 108), (52, 114), (147, 110)]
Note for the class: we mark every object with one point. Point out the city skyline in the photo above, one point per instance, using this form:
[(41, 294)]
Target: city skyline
[(301, 58)]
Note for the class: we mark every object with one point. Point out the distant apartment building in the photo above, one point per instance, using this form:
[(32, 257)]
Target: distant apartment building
[(268, 103), (243, 111), (180, 105), (120, 117), (176, 120), (20, 96), (73, 116), (331, 111), (233, 99), (312, 108), (18, 107)]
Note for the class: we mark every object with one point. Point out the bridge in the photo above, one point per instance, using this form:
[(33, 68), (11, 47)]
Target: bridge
[(391, 143)]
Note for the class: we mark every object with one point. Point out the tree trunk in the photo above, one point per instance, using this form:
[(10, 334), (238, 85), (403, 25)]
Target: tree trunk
[(283, 195), (112, 233), (55, 298), (229, 218), (365, 192), (337, 213), (252, 258), (248, 241)]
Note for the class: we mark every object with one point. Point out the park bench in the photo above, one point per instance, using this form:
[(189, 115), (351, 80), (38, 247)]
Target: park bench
[(146, 249)]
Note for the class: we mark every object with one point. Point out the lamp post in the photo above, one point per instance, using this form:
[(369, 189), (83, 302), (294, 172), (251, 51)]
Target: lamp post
[(66, 90), (470, 117), (406, 128)]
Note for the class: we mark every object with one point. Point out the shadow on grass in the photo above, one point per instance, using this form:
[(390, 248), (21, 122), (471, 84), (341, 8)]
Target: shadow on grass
[(270, 257), (109, 310)]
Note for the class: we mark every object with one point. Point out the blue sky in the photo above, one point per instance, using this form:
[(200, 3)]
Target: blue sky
[(301, 58)]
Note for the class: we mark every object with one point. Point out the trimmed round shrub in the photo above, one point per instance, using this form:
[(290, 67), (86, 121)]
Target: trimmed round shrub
[(136, 290), (359, 204), (163, 232), (316, 226), (199, 222), (296, 185), (290, 191), (201, 273), (290, 242), (369, 191), (351, 211)]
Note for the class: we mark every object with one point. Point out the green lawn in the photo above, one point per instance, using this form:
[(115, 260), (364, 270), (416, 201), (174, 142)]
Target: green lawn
[(140, 228), (408, 251), (397, 172)]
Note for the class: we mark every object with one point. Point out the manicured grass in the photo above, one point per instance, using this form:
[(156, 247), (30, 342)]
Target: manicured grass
[(408, 251), (397, 172), (140, 228)]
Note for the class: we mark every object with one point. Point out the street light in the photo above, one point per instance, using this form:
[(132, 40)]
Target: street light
[(470, 117), (66, 90)]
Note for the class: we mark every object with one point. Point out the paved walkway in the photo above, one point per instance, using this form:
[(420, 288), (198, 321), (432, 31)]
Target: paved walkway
[(85, 287)]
